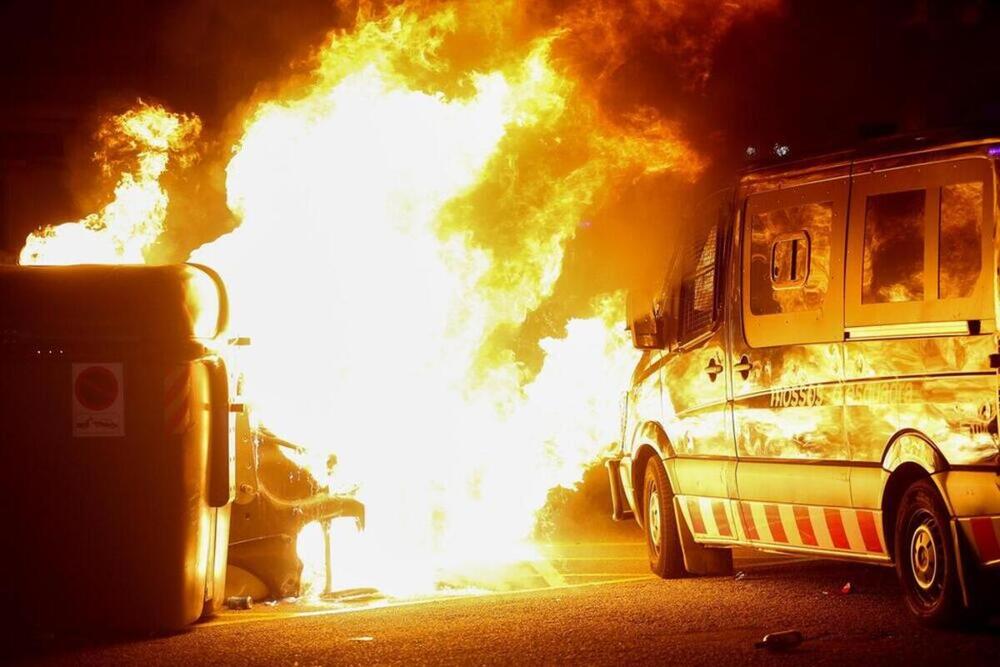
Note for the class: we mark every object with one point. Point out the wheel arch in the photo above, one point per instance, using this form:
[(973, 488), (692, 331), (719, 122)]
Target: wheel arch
[(650, 440), (908, 456), (911, 446)]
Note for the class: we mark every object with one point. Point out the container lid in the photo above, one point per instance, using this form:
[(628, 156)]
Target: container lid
[(111, 302)]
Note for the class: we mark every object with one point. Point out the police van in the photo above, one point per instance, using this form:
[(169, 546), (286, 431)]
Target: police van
[(819, 374)]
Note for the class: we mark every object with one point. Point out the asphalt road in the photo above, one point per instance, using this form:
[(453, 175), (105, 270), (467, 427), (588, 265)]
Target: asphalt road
[(585, 603)]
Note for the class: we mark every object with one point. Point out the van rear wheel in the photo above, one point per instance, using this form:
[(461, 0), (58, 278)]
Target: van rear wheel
[(926, 561), (660, 522)]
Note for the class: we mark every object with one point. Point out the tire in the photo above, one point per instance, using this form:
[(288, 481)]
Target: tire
[(926, 561), (663, 543)]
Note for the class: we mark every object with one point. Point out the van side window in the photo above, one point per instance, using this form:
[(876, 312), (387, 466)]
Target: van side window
[(919, 242), (790, 258), (792, 267), (893, 266), (698, 289), (960, 244)]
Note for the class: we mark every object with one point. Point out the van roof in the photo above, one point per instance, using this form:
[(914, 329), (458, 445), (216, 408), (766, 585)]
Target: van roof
[(898, 145)]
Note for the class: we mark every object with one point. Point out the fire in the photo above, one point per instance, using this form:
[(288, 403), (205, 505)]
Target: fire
[(136, 147), (373, 292), (400, 218)]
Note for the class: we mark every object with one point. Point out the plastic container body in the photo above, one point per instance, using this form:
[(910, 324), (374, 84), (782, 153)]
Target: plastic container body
[(115, 447)]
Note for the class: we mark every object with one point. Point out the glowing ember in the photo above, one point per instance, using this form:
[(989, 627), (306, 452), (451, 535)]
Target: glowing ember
[(138, 145)]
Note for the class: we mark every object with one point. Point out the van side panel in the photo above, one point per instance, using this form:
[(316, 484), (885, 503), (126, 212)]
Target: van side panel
[(941, 387)]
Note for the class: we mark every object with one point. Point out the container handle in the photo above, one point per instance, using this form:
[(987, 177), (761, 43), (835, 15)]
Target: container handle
[(222, 324), (221, 448)]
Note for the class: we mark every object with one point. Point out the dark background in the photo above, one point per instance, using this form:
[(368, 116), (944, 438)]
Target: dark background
[(815, 74)]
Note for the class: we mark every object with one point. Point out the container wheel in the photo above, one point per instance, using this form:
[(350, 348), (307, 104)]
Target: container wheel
[(926, 561), (662, 539)]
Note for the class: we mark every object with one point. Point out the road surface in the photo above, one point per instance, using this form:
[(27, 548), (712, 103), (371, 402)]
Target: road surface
[(584, 603)]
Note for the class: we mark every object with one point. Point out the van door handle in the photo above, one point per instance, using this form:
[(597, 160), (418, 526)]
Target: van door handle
[(744, 367), (713, 369)]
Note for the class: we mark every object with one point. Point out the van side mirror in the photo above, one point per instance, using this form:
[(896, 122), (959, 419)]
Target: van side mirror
[(644, 323), (647, 332)]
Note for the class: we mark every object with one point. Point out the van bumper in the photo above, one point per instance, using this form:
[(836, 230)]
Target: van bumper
[(983, 533), (620, 510)]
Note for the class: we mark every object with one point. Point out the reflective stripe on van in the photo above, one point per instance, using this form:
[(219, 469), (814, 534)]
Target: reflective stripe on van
[(708, 517), (831, 529)]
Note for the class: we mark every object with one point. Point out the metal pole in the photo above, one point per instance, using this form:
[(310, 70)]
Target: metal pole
[(328, 586)]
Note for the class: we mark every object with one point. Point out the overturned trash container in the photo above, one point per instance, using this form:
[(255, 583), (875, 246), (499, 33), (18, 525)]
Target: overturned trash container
[(116, 451)]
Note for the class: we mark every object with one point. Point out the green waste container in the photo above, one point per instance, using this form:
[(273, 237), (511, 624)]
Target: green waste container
[(116, 445)]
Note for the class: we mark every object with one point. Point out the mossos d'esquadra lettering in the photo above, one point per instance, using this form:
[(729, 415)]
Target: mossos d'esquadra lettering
[(807, 396)]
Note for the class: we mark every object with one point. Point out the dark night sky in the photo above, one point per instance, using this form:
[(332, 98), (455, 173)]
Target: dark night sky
[(196, 55), (815, 75)]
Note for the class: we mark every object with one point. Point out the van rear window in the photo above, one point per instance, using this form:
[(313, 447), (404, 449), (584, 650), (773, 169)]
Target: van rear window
[(893, 265)]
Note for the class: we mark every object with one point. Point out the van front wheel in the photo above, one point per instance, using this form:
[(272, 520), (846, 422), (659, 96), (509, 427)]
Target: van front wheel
[(660, 523), (926, 562)]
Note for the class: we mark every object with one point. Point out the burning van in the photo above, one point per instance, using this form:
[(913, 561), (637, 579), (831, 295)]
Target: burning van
[(819, 374)]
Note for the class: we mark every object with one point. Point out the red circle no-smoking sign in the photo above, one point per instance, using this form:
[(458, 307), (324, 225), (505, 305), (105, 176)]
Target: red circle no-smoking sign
[(96, 388)]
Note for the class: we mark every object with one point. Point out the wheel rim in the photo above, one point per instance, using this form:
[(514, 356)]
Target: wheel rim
[(926, 550), (923, 557), (654, 517)]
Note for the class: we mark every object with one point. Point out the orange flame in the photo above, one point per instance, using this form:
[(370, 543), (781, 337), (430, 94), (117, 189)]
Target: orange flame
[(139, 143), (365, 271)]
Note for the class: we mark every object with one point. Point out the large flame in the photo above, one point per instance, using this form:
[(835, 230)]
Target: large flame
[(400, 219), (363, 271), (137, 146)]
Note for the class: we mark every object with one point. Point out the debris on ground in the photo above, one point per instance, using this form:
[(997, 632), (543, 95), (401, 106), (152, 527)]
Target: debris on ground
[(740, 576), (780, 641), (846, 589), (239, 602)]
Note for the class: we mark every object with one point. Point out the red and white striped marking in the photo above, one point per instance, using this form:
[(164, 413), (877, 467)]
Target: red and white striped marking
[(177, 400), (984, 534), (804, 526), (709, 517), (829, 528)]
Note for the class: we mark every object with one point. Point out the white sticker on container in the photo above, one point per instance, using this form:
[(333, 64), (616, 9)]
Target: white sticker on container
[(98, 400)]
